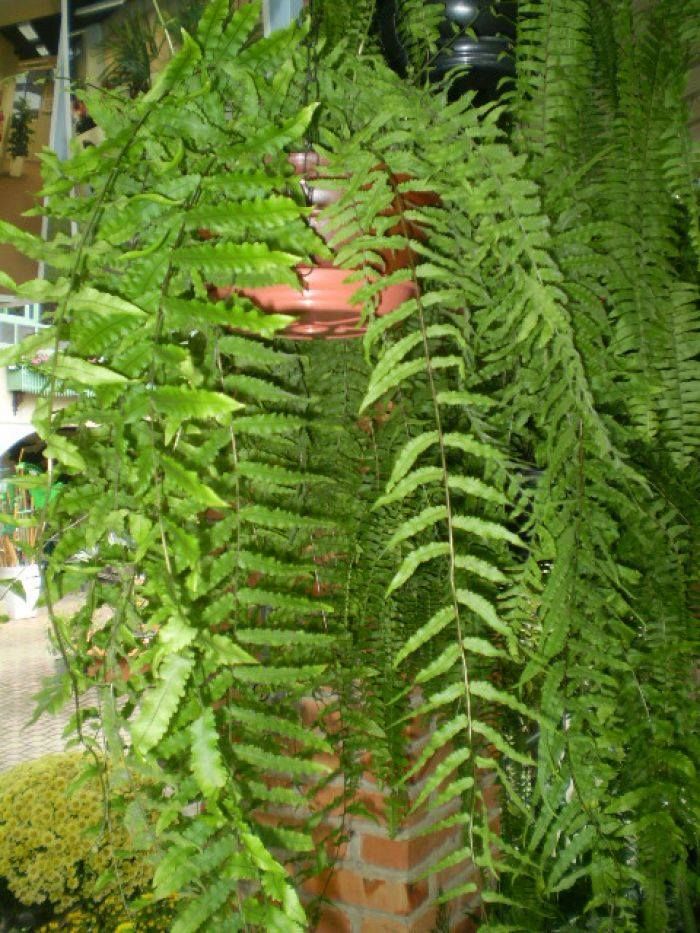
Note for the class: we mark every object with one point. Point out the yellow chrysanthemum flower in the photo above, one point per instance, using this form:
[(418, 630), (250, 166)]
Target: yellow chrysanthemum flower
[(46, 854)]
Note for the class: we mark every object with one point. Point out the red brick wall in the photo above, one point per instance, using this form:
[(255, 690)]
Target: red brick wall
[(381, 884)]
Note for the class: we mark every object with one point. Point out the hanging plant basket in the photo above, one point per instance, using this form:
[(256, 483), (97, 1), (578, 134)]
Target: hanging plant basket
[(324, 304), (476, 36)]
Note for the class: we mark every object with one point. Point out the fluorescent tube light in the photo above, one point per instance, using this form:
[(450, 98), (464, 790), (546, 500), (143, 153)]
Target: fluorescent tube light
[(42, 50), (98, 7), (28, 31)]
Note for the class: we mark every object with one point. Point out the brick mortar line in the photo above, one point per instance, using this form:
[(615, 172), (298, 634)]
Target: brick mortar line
[(360, 915), (411, 875), (366, 827)]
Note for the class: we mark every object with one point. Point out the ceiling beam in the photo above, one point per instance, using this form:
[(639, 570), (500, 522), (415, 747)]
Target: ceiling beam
[(20, 11)]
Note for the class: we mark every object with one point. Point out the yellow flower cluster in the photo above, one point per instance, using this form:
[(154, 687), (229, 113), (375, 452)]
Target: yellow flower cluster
[(46, 853), (81, 921)]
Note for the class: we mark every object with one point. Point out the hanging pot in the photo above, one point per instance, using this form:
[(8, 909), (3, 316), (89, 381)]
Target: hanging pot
[(323, 304), (483, 44)]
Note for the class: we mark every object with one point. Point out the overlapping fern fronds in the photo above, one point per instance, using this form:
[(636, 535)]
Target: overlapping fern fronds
[(602, 531), (545, 330), (198, 518), (489, 520)]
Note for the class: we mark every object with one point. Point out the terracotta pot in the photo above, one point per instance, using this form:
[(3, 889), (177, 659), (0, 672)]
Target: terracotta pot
[(310, 166), (323, 305)]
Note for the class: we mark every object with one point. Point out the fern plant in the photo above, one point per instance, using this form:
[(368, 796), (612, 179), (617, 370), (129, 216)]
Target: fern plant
[(160, 371), (482, 513)]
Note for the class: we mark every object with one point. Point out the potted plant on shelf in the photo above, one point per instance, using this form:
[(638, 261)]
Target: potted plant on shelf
[(20, 573), (393, 555), (20, 134)]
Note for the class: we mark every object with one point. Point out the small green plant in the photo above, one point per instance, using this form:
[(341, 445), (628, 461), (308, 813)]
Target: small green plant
[(55, 848), (20, 130), (132, 46)]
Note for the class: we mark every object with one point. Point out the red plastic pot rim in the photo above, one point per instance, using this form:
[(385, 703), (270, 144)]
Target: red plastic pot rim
[(323, 306)]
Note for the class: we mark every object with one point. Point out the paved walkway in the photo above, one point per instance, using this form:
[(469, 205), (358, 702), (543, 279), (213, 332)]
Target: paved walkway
[(26, 660)]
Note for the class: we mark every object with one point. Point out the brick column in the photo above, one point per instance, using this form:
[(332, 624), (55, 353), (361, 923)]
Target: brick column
[(381, 884)]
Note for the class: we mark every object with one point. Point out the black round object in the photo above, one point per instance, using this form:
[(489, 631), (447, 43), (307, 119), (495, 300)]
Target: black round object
[(487, 52), (462, 12), (486, 40), (476, 34)]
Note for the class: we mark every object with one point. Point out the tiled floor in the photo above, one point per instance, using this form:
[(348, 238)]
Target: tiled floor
[(25, 661)]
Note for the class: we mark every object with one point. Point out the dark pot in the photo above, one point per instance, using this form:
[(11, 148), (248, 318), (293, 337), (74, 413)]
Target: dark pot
[(484, 43)]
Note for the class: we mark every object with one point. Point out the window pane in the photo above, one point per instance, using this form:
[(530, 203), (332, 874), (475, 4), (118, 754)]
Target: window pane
[(280, 13)]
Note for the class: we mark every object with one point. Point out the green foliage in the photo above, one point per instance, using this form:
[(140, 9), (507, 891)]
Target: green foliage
[(131, 46), (611, 528), (344, 22), (484, 512), (168, 662), (20, 129), (418, 25)]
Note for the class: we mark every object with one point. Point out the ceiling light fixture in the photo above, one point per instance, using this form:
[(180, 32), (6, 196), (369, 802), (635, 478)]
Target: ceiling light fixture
[(28, 31), (98, 7), (42, 50)]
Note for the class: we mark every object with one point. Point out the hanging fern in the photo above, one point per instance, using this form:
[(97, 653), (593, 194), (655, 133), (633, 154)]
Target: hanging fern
[(598, 533), (194, 490), (482, 513)]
